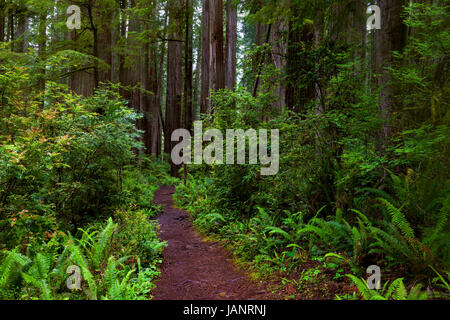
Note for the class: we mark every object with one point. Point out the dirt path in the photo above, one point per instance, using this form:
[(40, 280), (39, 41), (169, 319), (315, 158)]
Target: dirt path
[(194, 269)]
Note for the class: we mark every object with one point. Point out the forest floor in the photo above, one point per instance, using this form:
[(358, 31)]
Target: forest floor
[(194, 268)]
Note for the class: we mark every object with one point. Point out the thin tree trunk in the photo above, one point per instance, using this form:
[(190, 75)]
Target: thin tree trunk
[(159, 125), (11, 26), (95, 41), (195, 101), (42, 50)]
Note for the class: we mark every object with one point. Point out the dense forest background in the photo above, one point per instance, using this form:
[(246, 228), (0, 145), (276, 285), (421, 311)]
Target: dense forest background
[(87, 115)]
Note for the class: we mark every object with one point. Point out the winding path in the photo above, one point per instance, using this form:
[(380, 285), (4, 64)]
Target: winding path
[(196, 269)]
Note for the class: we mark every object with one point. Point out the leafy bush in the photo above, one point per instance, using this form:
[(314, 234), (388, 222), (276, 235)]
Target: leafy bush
[(108, 271)]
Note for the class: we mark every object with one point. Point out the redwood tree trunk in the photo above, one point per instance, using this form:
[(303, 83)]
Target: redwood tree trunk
[(174, 82), (195, 101), (217, 44), (2, 20), (392, 37), (188, 53), (206, 55), (231, 39)]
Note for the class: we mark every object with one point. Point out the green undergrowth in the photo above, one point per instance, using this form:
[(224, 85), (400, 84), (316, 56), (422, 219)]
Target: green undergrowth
[(324, 256), (76, 191)]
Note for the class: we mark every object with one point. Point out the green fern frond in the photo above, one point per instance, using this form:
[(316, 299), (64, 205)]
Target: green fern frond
[(362, 287), (42, 263), (11, 267), (380, 193), (101, 246), (275, 230), (78, 258), (416, 293), (397, 290), (440, 223), (40, 284), (399, 219)]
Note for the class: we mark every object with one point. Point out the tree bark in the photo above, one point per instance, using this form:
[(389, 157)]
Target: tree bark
[(206, 55), (231, 39), (105, 39), (122, 34), (174, 81), (10, 25), (217, 62), (42, 41), (22, 30), (188, 53), (2, 20), (392, 37), (279, 52), (195, 99)]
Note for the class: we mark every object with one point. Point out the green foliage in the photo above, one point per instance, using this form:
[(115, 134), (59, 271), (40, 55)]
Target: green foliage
[(395, 291), (106, 272), (398, 242), (64, 160), (68, 162)]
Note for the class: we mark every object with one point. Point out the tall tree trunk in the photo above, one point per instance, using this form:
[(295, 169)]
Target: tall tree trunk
[(174, 81), (188, 53), (279, 52), (195, 101), (296, 95), (94, 31), (155, 122), (206, 56), (133, 70), (10, 25), (22, 30), (80, 82), (105, 39), (261, 58), (122, 35), (392, 37), (217, 62), (2, 20), (159, 125), (231, 39), (146, 74), (42, 50)]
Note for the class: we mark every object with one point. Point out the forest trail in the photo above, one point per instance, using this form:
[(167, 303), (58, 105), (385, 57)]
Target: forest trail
[(195, 269)]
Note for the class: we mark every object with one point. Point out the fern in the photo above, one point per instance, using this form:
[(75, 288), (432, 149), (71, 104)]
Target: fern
[(399, 219), (275, 230), (396, 290), (363, 288), (78, 258), (380, 193), (440, 277), (40, 284), (441, 222), (101, 246), (10, 268)]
